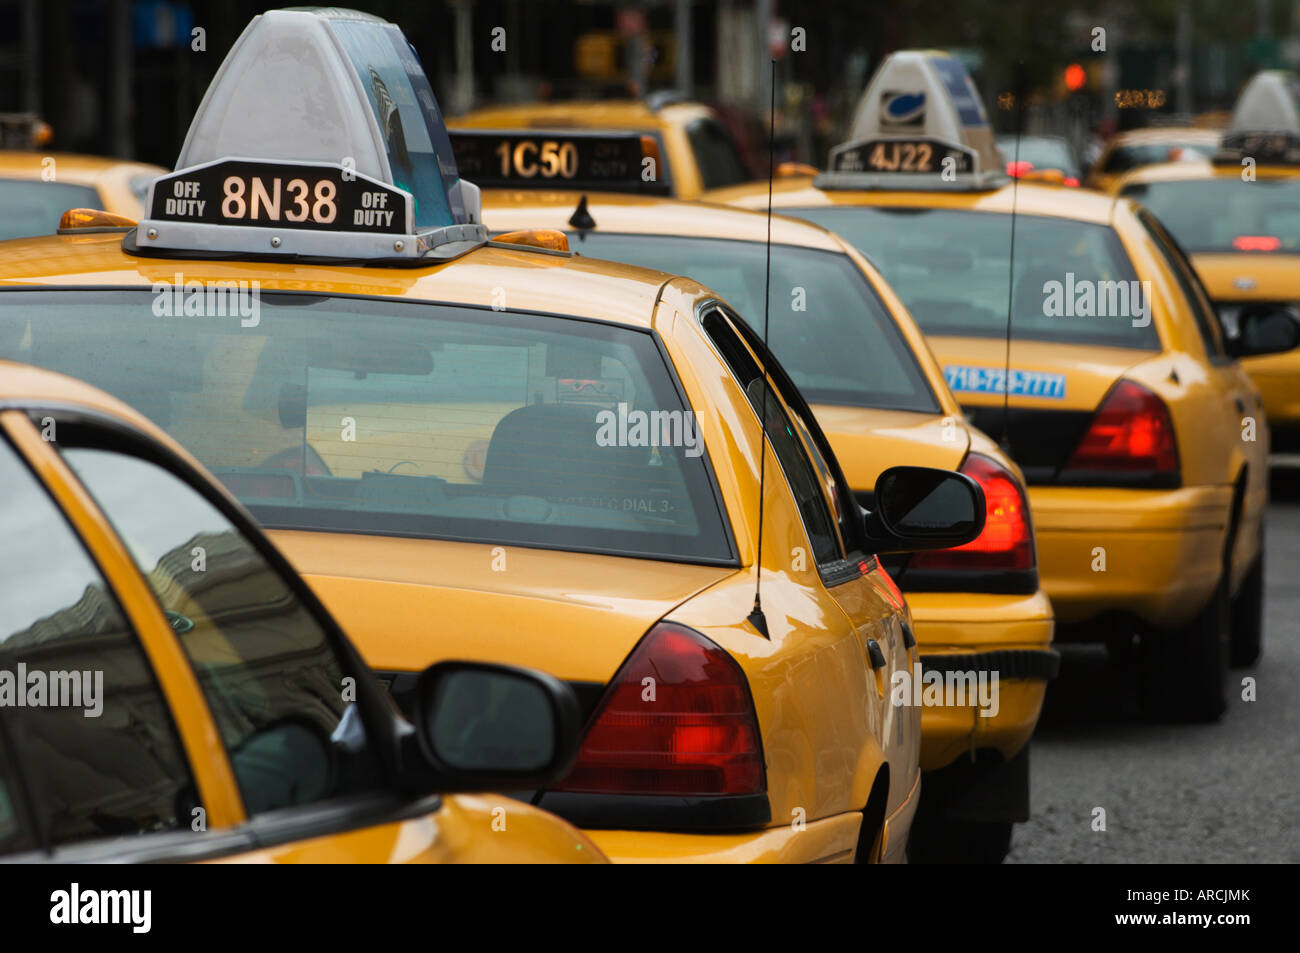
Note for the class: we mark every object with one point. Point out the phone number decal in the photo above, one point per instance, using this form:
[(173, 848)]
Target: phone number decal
[(993, 380)]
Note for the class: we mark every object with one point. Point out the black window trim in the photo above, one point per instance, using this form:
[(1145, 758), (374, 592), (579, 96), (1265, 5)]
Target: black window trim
[(832, 572), (1185, 275)]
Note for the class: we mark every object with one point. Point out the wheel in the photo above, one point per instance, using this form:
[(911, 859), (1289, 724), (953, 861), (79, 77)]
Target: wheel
[(959, 842), (1185, 671), (1248, 616)]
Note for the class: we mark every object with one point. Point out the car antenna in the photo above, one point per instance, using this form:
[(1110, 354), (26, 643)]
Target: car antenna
[(756, 617), (581, 218), (1019, 94)]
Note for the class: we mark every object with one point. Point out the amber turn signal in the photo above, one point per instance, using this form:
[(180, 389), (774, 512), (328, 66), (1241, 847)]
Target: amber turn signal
[(546, 238), (82, 219)]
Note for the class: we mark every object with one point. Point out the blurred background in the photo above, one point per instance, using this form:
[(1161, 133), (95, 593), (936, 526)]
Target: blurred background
[(123, 77)]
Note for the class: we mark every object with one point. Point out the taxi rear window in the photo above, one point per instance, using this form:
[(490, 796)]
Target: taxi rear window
[(1226, 215), (352, 414), (827, 326), (1073, 282), (29, 207)]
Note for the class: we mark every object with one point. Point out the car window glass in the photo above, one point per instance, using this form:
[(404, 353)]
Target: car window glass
[(1073, 282), (805, 483), (277, 689), (16, 834), (33, 207), (1207, 322), (94, 733), (715, 154), (434, 421)]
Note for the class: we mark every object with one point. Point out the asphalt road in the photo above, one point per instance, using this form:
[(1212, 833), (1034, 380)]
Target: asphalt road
[(1222, 793)]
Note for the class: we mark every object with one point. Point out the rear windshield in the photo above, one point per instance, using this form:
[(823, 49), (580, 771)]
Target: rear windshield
[(1040, 152), (31, 207), (827, 326), (1123, 158), (358, 415), (1073, 281), (1226, 215)]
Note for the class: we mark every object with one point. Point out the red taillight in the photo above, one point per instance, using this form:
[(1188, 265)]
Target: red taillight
[(1071, 181), (678, 719), (1131, 432), (1257, 243), (1017, 168), (1007, 542)]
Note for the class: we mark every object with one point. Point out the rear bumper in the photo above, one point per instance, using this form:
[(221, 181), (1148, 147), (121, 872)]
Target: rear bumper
[(831, 840), (1006, 636), (1155, 555)]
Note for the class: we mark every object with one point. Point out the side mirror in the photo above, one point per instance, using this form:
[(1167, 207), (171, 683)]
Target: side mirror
[(919, 508), (487, 727), (1264, 329)]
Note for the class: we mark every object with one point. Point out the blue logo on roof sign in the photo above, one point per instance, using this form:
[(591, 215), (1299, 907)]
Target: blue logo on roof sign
[(993, 380), (904, 109)]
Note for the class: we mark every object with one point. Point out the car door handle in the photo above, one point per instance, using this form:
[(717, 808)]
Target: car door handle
[(1241, 405), (876, 653), (909, 640)]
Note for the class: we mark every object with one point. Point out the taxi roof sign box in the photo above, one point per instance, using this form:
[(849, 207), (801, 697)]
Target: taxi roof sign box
[(920, 116), (1269, 103), (1265, 122), (319, 136)]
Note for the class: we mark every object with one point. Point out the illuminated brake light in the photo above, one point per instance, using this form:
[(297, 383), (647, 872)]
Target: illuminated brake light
[(1130, 432), (1257, 243), (1006, 542), (1071, 181), (677, 719), (1019, 168)]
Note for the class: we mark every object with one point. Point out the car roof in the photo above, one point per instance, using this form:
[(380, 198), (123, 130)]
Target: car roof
[(1194, 169), (1168, 134), (534, 281), (799, 192), (69, 167), (606, 113), (617, 212), (23, 386)]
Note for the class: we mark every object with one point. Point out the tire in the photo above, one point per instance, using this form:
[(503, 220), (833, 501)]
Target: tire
[(1248, 617), (1185, 672), (959, 842)]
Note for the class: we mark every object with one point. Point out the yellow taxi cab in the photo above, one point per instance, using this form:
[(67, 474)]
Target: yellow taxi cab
[(500, 451), (1138, 148), (1091, 352), (170, 690), (36, 188), (860, 361), (1237, 216), (690, 148)]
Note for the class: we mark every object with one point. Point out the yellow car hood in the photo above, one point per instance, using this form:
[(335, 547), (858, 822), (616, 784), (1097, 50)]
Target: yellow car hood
[(867, 441), (1089, 371), (407, 603), (1269, 277)]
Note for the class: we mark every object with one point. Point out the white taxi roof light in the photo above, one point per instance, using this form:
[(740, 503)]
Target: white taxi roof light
[(1265, 122), (319, 136), (920, 124)]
